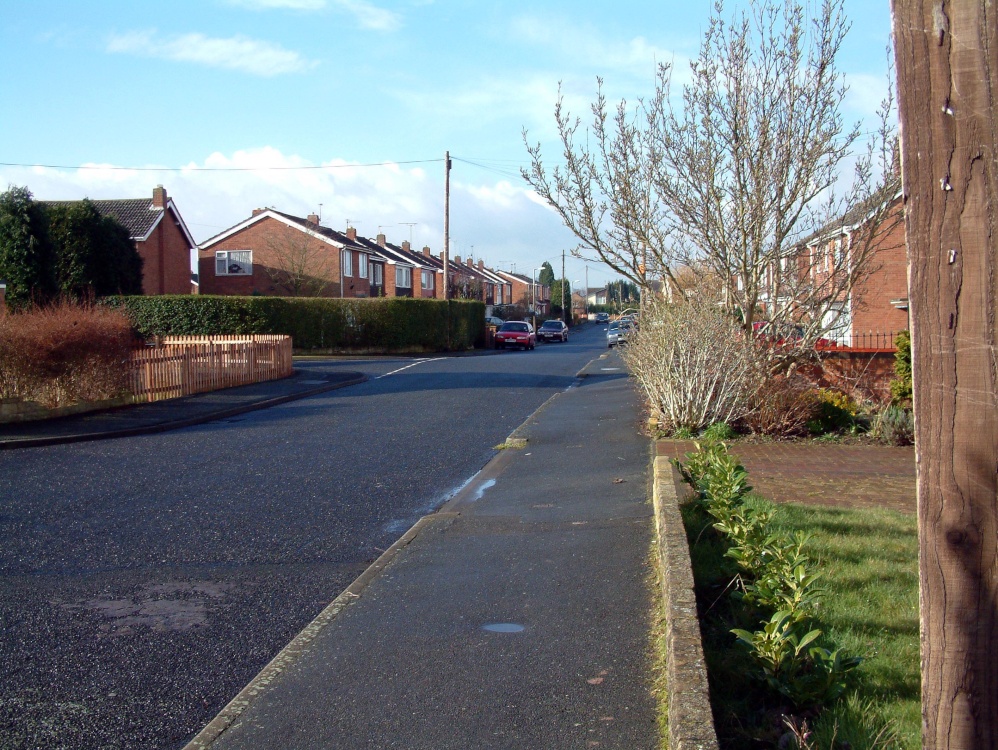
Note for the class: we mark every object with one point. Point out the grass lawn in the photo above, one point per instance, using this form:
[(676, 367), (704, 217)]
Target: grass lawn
[(868, 560)]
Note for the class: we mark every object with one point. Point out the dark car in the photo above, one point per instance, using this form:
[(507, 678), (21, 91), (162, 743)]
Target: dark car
[(602, 317), (553, 330), (515, 333)]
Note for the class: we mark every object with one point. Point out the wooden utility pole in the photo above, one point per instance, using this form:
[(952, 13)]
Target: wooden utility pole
[(446, 224), (947, 60)]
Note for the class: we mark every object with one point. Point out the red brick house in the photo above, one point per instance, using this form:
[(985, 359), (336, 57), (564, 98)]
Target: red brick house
[(876, 307), (161, 239), (277, 254), (527, 293)]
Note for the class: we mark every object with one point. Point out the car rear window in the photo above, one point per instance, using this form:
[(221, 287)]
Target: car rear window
[(552, 324), (521, 327)]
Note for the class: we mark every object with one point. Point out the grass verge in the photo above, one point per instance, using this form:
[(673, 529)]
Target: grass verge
[(868, 560)]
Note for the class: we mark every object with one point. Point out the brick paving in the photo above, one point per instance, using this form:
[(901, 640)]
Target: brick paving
[(854, 476)]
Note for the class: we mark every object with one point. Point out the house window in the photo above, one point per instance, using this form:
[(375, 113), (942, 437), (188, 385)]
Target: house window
[(234, 263), (379, 274), (362, 265), (347, 263), (426, 279), (403, 277)]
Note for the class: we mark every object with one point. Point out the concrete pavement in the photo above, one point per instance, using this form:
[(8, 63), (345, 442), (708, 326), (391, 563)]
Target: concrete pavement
[(517, 616), (170, 414)]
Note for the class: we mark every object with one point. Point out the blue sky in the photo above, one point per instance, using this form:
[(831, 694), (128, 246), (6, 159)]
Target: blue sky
[(184, 92)]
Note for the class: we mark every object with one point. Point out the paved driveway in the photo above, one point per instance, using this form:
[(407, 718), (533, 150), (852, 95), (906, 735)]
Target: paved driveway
[(851, 476)]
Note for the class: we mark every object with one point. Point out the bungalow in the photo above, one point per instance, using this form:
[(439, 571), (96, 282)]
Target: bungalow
[(161, 239)]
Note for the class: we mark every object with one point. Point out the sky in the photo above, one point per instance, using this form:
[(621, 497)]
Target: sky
[(344, 108)]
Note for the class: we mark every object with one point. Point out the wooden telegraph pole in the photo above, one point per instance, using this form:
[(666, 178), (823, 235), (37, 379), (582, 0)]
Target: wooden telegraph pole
[(446, 225), (947, 59)]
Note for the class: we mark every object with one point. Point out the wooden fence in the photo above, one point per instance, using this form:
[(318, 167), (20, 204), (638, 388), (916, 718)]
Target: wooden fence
[(181, 365)]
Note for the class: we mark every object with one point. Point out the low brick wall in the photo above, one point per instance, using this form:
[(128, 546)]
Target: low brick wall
[(865, 372), (691, 722)]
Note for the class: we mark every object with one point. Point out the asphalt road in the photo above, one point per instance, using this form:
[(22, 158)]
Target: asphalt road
[(144, 581)]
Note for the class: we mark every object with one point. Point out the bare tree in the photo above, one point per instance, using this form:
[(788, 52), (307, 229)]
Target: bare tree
[(730, 180), (300, 263)]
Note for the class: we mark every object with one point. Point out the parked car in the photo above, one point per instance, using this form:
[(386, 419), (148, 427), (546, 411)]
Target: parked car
[(515, 333), (618, 332), (553, 330), (602, 317), (492, 320)]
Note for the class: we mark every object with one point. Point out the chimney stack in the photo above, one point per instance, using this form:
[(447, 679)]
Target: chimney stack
[(381, 239), (426, 250), (352, 233), (457, 260), (481, 264), (406, 246), (258, 211), (471, 262), (313, 219), (159, 197)]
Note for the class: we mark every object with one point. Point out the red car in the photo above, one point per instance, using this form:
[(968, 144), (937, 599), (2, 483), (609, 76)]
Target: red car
[(515, 333), (553, 330)]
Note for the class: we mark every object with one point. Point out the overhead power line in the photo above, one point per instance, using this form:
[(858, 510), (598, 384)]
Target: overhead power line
[(218, 169)]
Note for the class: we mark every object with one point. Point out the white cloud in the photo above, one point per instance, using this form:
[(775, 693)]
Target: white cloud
[(235, 53), (369, 16), (587, 48), (503, 221)]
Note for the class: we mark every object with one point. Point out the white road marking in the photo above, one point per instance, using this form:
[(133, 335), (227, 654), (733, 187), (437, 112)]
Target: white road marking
[(417, 362)]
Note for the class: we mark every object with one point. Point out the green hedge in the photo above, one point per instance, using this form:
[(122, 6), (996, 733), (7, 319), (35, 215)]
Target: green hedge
[(386, 324)]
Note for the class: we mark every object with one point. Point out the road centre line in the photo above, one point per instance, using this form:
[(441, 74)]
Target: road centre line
[(417, 362)]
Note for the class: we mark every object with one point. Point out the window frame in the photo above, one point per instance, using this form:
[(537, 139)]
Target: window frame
[(403, 277), (346, 263), (363, 262), (229, 260)]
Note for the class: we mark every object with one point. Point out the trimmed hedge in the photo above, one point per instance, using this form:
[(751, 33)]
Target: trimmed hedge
[(383, 324)]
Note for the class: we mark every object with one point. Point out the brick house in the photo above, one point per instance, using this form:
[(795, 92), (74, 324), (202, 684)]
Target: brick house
[(161, 239), (277, 254), (876, 308), (527, 293)]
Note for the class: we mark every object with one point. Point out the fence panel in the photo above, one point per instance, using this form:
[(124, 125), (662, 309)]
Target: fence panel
[(184, 365)]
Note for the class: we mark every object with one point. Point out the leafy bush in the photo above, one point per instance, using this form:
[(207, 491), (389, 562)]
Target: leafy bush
[(64, 353), (836, 412), (776, 582), (719, 431), (382, 324), (894, 425), (783, 406), (901, 384)]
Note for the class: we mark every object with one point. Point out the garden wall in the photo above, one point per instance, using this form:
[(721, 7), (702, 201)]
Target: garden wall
[(866, 372)]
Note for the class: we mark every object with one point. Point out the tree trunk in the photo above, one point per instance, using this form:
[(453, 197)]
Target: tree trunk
[(947, 57)]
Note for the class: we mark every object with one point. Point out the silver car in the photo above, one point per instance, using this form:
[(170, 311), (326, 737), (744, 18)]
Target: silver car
[(617, 333)]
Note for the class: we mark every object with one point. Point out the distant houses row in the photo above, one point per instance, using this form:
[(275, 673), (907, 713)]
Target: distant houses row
[(276, 253)]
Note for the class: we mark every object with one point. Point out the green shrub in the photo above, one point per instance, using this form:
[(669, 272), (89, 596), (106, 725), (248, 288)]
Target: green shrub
[(835, 412), (776, 582), (894, 425), (384, 324), (719, 431), (901, 384)]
